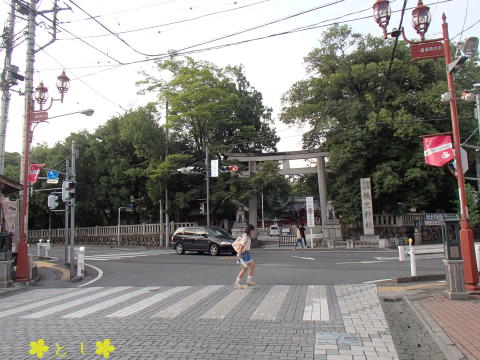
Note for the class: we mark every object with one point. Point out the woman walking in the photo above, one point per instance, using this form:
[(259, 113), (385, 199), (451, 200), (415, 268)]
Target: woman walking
[(244, 258), (299, 238)]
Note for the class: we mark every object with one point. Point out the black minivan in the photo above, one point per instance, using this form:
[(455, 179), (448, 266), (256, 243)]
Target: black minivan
[(202, 239)]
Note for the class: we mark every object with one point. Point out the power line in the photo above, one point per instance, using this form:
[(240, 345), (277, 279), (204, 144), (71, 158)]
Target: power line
[(86, 84), (174, 22), (216, 39)]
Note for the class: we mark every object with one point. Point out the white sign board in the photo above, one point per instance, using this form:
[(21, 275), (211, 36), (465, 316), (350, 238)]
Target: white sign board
[(367, 210), (214, 168), (434, 219), (310, 211)]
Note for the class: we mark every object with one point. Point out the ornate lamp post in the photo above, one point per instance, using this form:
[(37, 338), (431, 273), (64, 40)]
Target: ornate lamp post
[(33, 117), (425, 49)]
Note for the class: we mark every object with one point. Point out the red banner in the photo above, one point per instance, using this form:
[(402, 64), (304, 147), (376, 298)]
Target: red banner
[(33, 172), (438, 150)]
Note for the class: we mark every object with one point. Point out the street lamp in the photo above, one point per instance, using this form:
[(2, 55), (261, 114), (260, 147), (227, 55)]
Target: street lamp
[(32, 117), (433, 48)]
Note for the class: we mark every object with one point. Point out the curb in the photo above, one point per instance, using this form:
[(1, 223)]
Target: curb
[(446, 345), (408, 279)]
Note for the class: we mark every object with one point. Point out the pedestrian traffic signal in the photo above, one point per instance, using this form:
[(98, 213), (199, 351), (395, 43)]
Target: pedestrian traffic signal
[(68, 190), (52, 201)]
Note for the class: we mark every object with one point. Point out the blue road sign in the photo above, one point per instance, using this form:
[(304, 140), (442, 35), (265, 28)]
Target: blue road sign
[(52, 174)]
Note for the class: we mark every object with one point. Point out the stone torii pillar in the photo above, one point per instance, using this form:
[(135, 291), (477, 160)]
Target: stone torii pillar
[(322, 187)]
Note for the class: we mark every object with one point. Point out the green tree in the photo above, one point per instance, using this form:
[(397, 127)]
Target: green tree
[(370, 121), (212, 107)]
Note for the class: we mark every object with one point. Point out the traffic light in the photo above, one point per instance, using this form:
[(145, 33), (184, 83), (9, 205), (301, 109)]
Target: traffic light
[(52, 201), (202, 208), (229, 169), (68, 190)]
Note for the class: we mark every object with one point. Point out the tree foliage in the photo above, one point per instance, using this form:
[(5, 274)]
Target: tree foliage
[(370, 121)]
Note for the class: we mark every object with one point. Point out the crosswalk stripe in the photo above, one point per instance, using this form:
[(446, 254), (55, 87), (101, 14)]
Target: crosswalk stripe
[(34, 295), (271, 304), (223, 307), (184, 304), (108, 303), (71, 304), (141, 305), (316, 304), (47, 301)]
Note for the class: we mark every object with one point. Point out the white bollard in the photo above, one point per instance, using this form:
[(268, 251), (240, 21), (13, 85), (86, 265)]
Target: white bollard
[(311, 238), (401, 253), (413, 263), (477, 253), (47, 246), (80, 260), (38, 247)]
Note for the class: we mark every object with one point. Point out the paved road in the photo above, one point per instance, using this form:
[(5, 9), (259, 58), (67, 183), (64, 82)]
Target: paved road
[(163, 267), (154, 304)]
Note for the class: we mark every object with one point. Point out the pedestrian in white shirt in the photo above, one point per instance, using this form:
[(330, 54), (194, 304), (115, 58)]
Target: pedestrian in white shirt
[(244, 259)]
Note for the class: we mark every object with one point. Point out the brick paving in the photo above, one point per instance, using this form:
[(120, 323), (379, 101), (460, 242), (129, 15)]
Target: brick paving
[(460, 320), (315, 322)]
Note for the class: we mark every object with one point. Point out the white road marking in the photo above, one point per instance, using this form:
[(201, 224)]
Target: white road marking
[(46, 302), (108, 303), (271, 304), (304, 257), (224, 306), (135, 308), (74, 303), (99, 275), (360, 262), (316, 304), (186, 303), (375, 281)]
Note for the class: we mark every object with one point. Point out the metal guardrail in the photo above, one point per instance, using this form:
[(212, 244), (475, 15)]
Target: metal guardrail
[(287, 240)]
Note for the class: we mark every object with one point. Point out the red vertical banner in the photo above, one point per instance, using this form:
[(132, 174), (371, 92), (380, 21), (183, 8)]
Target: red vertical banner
[(438, 150), (34, 172)]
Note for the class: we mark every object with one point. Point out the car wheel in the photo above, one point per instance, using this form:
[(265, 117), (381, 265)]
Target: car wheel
[(180, 250), (214, 250)]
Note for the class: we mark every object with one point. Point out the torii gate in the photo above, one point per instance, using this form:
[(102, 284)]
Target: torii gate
[(285, 157)]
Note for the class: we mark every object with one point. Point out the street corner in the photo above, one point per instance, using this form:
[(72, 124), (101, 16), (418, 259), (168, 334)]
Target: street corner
[(393, 289), (49, 271)]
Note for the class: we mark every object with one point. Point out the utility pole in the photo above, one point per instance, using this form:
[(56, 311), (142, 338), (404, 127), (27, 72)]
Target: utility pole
[(167, 230), (72, 213), (477, 152), (22, 248), (67, 252), (207, 179), (6, 75)]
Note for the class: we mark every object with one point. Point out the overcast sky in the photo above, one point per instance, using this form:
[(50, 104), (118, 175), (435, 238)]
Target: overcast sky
[(104, 67)]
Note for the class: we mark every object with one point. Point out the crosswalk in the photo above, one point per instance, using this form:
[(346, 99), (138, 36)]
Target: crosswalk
[(203, 302), (123, 255)]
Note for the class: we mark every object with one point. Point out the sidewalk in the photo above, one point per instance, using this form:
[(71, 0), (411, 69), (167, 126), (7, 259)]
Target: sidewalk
[(454, 325)]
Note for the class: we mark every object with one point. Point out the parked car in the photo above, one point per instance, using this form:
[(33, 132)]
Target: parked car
[(201, 239), (286, 231), (274, 230)]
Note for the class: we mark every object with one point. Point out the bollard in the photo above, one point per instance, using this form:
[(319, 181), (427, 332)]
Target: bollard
[(477, 252), (47, 246), (80, 260), (413, 264), (39, 243), (401, 253)]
